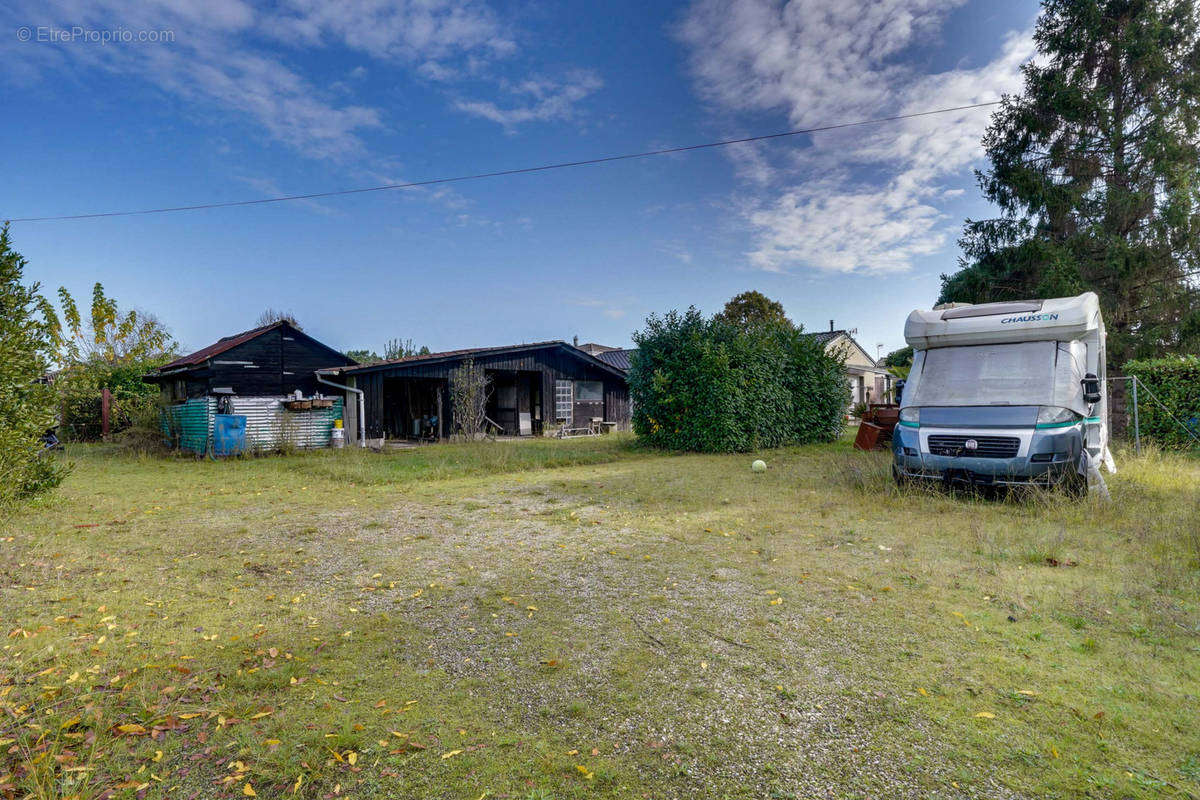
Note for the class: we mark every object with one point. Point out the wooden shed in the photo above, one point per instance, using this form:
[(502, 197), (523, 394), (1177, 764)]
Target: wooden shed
[(255, 374), (533, 387), (274, 360)]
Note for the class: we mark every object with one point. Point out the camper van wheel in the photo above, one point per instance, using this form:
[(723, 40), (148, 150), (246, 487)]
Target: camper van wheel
[(1074, 485)]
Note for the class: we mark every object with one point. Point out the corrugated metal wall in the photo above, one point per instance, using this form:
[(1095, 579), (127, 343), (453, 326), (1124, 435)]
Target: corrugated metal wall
[(188, 426), (269, 424)]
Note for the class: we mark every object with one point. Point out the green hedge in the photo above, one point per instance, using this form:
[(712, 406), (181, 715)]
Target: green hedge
[(1176, 382), (710, 385)]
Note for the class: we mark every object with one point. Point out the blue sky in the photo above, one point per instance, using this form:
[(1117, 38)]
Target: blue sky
[(245, 101)]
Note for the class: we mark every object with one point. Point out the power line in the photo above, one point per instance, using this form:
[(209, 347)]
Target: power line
[(505, 172)]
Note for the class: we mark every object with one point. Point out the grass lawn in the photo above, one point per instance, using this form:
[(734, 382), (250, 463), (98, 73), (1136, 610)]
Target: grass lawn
[(586, 619)]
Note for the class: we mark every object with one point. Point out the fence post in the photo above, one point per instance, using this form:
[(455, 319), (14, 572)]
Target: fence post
[(1137, 431), (105, 412)]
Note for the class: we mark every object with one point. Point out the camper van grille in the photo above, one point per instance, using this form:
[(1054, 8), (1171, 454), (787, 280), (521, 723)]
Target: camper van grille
[(987, 446)]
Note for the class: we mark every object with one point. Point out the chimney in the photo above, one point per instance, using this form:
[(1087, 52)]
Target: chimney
[(831, 326)]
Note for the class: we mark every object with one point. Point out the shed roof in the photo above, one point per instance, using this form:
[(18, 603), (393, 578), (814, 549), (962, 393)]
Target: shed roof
[(454, 355), (219, 346), (229, 342)]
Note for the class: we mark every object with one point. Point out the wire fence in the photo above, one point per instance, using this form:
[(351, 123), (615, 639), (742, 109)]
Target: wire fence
[(1191, 427)]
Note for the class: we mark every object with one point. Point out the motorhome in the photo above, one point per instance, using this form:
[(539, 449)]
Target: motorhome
[(1005, 393)]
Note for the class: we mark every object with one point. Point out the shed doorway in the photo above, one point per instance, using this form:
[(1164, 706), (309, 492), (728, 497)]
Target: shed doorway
[(515, 401), (413, 408)]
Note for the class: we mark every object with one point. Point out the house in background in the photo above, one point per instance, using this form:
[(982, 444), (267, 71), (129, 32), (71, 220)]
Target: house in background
[(257, 374), (534, 387), (614, 356), (617, 357), (869, 381)]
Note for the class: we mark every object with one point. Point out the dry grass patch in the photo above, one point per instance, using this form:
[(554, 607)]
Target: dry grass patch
[(621, 624)]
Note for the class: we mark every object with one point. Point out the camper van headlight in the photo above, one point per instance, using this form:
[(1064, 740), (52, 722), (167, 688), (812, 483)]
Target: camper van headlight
[(910, 416), (1055, 417)]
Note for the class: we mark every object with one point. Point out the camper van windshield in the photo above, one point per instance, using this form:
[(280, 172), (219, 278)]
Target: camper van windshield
[(996, 374)]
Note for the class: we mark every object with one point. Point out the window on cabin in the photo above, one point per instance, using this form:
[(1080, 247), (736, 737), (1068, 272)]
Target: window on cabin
[(589, 391), (564, 397)]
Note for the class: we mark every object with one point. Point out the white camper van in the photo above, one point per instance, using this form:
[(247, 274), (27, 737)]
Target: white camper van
[(1004, 393)]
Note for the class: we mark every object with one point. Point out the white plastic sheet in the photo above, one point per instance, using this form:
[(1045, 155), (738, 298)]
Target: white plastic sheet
[(1020, 374)]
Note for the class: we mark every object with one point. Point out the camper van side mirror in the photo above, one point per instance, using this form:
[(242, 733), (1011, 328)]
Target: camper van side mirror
[(1091, 388)]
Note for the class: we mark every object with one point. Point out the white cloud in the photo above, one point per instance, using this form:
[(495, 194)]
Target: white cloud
[(412, 30), (269, 188), (609, 310), (234, 56), (536, 100), (859, 199), (676, 249)]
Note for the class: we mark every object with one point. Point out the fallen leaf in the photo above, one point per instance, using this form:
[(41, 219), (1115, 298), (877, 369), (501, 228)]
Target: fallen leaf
[(248, 790), (131, 729), (985, 715), (451, 753)]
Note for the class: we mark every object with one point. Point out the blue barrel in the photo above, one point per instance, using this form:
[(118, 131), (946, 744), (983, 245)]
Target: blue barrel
[(229, 434)]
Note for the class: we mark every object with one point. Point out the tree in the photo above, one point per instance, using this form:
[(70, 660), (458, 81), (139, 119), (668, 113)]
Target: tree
[(272, 315), (403, 348), (899, 362), (1095, 167), (722, 385), (28, 332), (469, 390), (363, 356), (899, 358), (110, 350), (108, 335), (753, 308)]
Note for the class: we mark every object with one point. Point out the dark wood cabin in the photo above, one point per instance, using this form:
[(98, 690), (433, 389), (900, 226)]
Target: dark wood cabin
[(533, 387), (270, 361)]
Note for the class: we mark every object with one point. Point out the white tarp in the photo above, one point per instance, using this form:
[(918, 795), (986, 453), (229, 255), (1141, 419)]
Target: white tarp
[(1022, 374)]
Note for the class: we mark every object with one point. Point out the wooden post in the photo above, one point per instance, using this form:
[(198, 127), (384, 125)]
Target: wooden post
[(439, 409), (105, 412)]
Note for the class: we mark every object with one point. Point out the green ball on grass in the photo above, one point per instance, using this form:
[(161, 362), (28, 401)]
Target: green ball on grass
[(759, 466)]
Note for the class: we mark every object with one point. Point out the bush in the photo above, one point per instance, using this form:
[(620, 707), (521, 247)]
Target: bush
[(26, 402), (713, 385), (1175, 382)]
